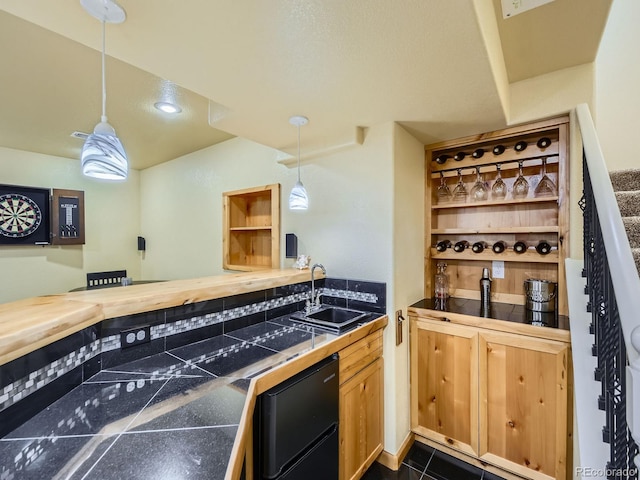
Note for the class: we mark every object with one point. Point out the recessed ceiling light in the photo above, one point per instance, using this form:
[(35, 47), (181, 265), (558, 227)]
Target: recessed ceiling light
[(167, 107)]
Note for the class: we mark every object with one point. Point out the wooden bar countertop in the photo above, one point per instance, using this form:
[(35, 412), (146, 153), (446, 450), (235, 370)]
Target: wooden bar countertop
[(29, 324)]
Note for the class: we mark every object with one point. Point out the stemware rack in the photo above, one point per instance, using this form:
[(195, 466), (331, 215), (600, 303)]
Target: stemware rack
[(531, 219)]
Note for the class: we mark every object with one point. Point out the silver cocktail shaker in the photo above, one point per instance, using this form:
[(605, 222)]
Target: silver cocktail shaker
[(485, 287)]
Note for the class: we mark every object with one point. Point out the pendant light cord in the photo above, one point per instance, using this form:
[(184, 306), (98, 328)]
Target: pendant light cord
[(298, 152), (104, 83)]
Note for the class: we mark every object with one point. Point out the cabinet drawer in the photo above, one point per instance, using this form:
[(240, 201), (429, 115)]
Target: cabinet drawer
[(360, 354)]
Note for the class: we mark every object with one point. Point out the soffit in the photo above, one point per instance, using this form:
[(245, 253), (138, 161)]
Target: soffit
[(560, 34)]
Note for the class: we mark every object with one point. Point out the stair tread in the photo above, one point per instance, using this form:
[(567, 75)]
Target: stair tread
[(625, 180), (628, 203), (626, 185)]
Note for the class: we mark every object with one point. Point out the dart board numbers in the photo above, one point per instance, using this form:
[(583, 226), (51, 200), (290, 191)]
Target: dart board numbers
[(20, 216)]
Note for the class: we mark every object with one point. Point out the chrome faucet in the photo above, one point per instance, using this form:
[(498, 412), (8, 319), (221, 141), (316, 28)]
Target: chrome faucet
[(313, 302)]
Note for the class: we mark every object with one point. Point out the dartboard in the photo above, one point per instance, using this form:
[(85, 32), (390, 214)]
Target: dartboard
[(19, 215)]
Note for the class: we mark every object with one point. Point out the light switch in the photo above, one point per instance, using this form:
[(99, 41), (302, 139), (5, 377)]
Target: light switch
[(497, 269)]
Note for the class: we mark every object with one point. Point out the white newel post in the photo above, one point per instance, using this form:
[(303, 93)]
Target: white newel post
[(633, 392)]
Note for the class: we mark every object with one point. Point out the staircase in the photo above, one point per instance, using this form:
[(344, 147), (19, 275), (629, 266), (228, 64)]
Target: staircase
[(626, 184)]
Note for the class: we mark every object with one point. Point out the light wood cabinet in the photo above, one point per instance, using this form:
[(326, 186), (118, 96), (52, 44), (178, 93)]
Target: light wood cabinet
[(530, 219), (251, 231), (523, 404), (444, 384), (499, 397), (361, 406)]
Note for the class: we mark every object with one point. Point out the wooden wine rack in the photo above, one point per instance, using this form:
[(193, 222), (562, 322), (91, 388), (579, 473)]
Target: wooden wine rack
[(531, 219)]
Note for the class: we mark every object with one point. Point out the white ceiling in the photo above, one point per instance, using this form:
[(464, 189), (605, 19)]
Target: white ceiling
[(344, 64)]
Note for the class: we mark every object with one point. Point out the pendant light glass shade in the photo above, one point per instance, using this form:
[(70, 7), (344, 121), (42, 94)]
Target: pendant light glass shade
[(103, 155), (298, 199)]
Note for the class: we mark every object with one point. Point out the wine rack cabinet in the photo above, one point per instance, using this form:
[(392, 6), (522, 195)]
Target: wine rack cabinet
[(531, 218)]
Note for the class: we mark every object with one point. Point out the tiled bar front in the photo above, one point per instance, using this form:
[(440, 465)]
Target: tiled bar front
[(30, 383)]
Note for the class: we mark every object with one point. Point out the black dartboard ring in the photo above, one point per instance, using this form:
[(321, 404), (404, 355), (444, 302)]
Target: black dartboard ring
[(20, 216)]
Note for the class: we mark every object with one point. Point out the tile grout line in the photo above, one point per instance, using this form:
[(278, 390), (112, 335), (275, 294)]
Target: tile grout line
[(186, 362), (178, 429), (253, 343), (124, 430)]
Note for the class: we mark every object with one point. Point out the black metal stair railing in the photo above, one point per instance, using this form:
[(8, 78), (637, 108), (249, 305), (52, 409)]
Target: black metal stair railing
[(609, 346)]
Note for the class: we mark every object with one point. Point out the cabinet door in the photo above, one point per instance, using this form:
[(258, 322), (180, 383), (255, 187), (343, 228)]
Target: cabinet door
[(523, 404), (361, 421), (444, 383)]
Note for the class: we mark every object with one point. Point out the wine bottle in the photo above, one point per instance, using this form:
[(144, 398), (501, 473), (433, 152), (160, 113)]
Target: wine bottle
[(441, 159), (442, 245), (460, 246), (520, 146), (519, 247), (478, 153), (543, 247), (498, 150), (458, 157), (544, 142), (478, 247), (499, 247)]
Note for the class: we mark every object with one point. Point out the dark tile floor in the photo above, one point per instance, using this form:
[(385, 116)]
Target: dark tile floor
[(425, 463)]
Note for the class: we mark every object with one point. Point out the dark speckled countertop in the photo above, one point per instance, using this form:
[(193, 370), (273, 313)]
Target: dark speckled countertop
[(173, 415), (499, 311)]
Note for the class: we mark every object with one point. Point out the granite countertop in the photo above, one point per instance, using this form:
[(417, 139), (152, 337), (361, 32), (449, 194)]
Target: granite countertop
[(172, 415), (506, 312)]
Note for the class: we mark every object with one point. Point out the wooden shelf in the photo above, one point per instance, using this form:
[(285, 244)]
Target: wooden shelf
[(530, 256), (492, 203), (531, 219), (249, 229), (468, 167), (494, 230), (251, 233)]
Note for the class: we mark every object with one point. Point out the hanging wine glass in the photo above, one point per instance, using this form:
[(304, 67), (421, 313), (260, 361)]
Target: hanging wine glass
[(444, 194), (520, 186), (460, 192), (499, 188), (546, 187), (479, 191)]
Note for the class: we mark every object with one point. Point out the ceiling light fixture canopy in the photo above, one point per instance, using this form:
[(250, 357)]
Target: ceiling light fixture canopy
[(298, 199), (103, 155)]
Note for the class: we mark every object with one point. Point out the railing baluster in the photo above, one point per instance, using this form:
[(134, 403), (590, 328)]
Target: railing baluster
[(609, 346)]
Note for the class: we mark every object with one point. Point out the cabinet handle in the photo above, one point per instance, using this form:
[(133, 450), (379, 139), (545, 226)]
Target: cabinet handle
[(399, 320)]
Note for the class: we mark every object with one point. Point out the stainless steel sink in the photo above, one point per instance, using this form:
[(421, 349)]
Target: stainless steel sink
[(336, 319)]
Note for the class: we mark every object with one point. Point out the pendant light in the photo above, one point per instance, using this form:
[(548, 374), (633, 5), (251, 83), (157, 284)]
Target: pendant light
[(103, 155), (298, 199)]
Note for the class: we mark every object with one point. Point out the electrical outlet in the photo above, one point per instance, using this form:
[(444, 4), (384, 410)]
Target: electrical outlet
[(135, 336), (497, 269)]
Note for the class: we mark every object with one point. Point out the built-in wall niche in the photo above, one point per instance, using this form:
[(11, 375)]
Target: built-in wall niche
[(41, 216)]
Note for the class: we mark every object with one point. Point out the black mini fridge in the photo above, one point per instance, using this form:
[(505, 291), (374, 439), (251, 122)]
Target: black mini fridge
[(296, 426)]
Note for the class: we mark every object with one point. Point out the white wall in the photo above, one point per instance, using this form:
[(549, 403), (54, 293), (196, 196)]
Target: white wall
[(111, 229), (181, 205), (346, 227), (408, 279), (617, 116), (555, 93)]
